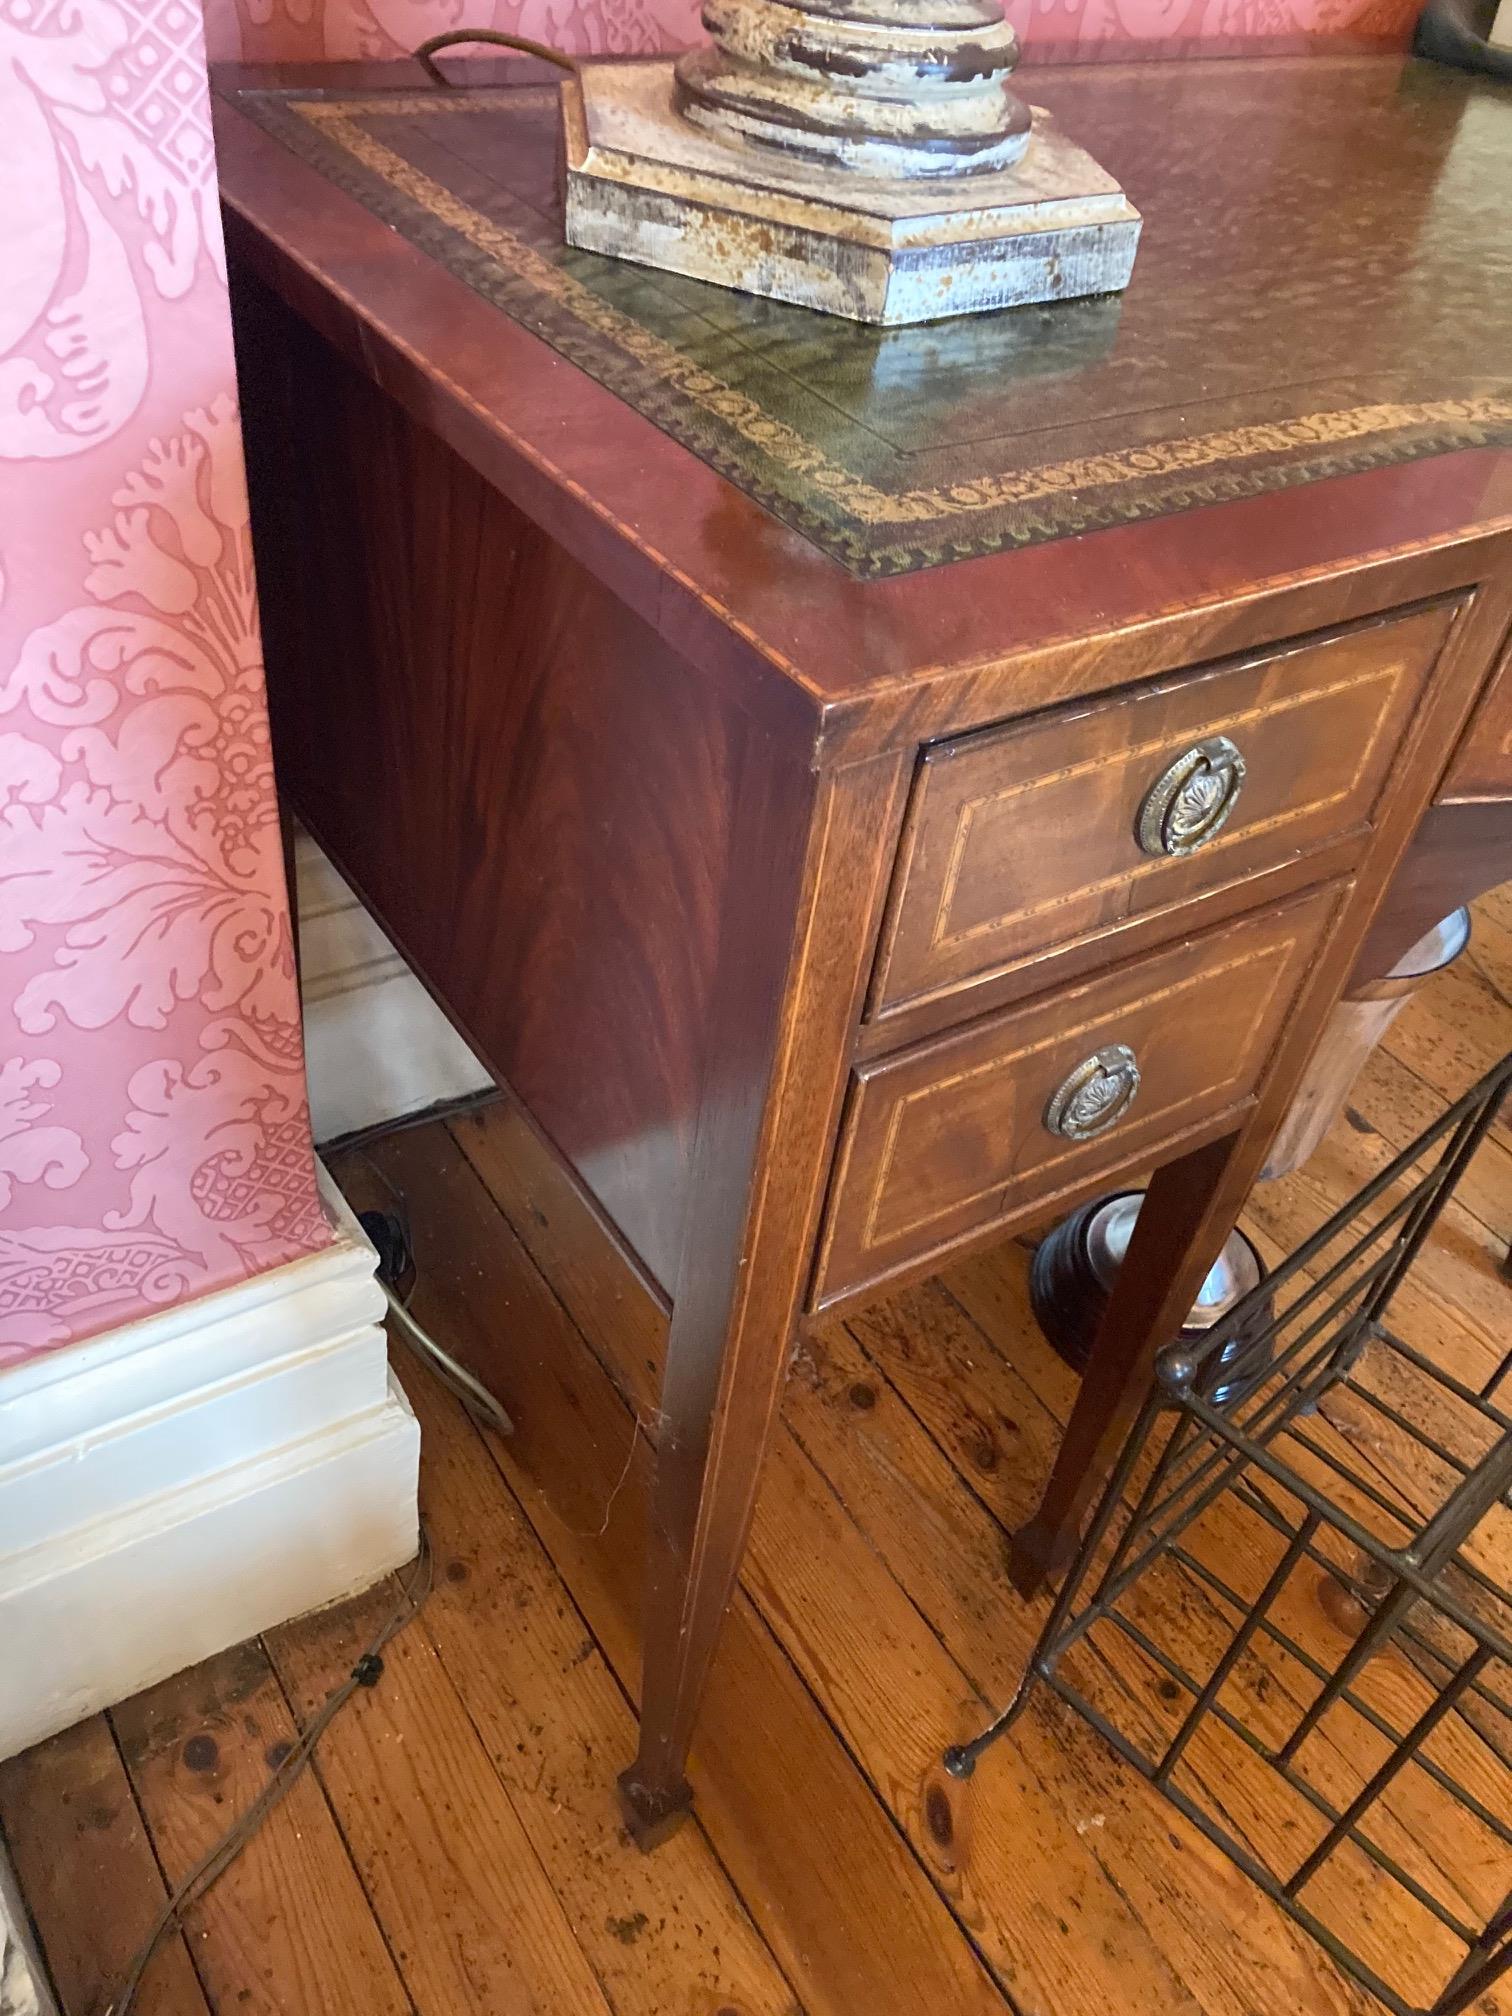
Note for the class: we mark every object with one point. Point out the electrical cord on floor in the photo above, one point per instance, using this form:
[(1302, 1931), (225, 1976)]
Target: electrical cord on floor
[(390, 1234), (473, 1394), (455, 38), (217, 1860), (394, 1244)]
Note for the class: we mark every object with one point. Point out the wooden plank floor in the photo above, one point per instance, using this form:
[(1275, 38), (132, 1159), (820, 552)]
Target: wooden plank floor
[(457, 1847)]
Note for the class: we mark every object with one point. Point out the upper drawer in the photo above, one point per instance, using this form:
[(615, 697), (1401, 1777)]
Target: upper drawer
[(1083, 824), (967, 1132)]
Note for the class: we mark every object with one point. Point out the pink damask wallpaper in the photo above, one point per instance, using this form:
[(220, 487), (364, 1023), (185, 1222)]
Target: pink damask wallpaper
[(154, 1142), (310, 30)]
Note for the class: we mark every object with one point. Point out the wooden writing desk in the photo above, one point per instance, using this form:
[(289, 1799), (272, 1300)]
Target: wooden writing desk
[(865, 792)]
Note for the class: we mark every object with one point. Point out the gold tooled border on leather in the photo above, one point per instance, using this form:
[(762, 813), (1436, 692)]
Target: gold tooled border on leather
[(851, 515)]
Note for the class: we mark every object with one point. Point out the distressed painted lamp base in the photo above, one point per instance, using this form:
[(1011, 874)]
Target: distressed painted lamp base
[(648, 185)]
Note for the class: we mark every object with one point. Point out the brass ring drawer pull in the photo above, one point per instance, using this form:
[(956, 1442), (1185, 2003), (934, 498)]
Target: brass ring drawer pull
[(1189, 803), (1096, 1095)]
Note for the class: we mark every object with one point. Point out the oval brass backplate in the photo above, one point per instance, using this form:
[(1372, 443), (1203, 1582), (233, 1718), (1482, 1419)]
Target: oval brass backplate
[(1096, 1095), (1190, 802)]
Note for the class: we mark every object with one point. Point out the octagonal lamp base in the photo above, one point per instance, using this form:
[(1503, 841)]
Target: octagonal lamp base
[(645, 184)]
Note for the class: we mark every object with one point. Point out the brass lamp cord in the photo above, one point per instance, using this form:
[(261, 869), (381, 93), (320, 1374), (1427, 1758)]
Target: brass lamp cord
[(431, 48)]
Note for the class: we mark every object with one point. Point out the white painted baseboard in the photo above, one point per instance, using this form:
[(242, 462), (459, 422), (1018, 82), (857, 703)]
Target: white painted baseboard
[(377, 1048), (192, 1478)]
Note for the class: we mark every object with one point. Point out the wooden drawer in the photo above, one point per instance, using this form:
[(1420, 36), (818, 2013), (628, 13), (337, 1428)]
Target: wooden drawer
[(1028, 842), (957, 1135), (1482, 764)]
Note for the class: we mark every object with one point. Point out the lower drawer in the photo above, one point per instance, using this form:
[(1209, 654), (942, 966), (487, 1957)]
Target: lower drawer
[(976, 1128)]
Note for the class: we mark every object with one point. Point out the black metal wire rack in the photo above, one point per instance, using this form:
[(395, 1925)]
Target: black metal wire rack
[(1291, 1612)]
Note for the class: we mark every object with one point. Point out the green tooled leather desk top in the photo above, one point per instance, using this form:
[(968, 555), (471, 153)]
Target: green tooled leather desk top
[(1324, 285)]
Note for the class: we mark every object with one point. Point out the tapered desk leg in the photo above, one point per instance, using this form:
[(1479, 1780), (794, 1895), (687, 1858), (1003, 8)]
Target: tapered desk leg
[(798, 931), (1189, 1211)]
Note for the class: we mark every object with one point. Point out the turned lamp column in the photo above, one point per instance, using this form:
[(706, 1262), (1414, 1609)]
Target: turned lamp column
[(894, 88)]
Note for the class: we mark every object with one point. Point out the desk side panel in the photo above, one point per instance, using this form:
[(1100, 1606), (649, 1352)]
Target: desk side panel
[(529, 789)]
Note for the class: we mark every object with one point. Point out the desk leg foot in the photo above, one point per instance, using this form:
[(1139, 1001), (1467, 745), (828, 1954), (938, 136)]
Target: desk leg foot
[(1038, 1555), (651, 1814)]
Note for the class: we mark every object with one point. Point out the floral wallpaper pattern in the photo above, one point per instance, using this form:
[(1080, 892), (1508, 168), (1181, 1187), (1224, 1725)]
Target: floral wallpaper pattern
[(154, 1142), (312, 30)]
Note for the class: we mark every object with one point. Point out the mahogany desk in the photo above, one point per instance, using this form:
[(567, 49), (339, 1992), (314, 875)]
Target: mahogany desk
[(865, 792)]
